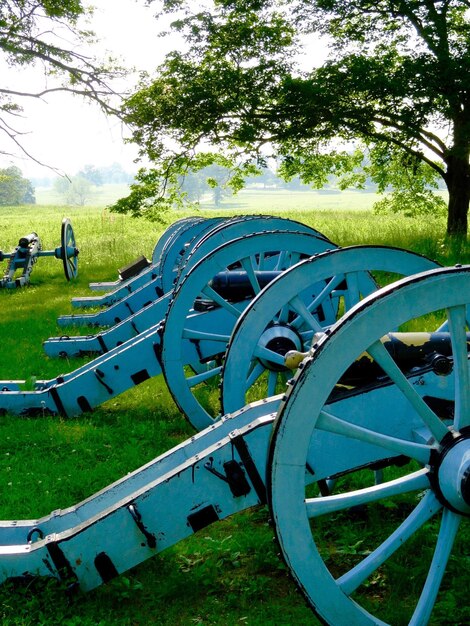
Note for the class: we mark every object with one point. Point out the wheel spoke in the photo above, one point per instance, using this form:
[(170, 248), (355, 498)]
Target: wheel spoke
[(286, 259), (255, 373), (444, 327), (269, 355), (352, 295), (317, 301), (333, 424), (379, 353), (304, 315), (280, 263), (445, 540), (283, 314), (213, 295), (198, 335), (203, 376), (247, 264), (339, 502), (457, 317), (428, 506)]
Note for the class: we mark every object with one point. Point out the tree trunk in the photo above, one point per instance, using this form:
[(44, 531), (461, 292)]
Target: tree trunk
[(458, 185), (458, 177)]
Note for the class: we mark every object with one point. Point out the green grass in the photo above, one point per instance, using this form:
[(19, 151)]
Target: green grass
[(229, 573)]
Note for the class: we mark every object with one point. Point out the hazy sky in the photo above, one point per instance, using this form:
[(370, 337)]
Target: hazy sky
[(66, 132)]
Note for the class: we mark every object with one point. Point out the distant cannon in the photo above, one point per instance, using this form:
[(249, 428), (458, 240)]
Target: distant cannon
[(28, 250)]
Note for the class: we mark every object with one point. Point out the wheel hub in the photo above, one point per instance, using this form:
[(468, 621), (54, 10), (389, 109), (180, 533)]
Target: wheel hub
[(451, 474), (280, 339)]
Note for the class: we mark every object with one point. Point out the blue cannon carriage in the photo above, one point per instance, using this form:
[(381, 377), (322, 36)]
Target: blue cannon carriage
[(26, 254)]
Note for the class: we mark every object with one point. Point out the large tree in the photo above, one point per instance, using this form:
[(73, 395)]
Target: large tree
[(397, 79), (48, 34)]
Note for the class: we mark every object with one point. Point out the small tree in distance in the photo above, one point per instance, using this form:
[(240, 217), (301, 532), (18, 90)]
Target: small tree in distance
[(92, 175), (14, 189), (75, 191)]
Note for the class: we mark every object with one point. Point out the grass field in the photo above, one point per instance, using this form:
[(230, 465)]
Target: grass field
[(247, 200), (228, 573)]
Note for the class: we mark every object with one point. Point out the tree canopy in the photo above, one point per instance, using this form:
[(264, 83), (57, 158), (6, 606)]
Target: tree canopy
[(396, 79), (48, 35), (14, 189)]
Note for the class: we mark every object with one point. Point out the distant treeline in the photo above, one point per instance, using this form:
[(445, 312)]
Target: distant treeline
[(109, 174)]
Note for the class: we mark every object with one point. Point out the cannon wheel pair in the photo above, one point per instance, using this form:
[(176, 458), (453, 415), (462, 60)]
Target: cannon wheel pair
[(288, 312)]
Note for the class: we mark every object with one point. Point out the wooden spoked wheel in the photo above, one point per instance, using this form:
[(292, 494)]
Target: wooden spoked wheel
[(392, 552), (288, 315), (68, 250), (200, 319)]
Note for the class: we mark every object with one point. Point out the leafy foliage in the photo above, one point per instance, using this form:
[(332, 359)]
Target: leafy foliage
[(14, 189), (161, 189), (397, 75)]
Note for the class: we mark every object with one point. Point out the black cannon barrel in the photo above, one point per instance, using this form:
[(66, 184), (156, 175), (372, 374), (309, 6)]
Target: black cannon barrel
[(235, 285), (27, 240), (409, 350)]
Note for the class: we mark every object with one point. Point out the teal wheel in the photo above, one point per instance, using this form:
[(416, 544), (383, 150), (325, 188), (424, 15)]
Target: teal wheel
[(290, 312), (169, 234), (206, 305), (68, 250), (395, 552)]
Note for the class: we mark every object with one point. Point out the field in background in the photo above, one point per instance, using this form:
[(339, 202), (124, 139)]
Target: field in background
[(101, 196), (229, 573), (266, 201), (247, 200)]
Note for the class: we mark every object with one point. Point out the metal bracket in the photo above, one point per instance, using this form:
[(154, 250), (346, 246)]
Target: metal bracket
[(234, 476)]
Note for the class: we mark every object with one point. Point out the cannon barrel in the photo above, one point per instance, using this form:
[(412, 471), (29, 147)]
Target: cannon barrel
[(27, 240), (235, 285), (410, 351)]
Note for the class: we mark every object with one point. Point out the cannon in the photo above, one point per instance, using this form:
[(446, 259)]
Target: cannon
[(29, 250), (138, 358), (185, 246), (310, 453), (131, 314), (187, 330), (173, 248)]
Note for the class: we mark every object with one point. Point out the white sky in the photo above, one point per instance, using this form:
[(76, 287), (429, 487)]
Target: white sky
[(66, 132)]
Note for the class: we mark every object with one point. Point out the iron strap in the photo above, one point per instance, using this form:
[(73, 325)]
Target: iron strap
[(258, 484)]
